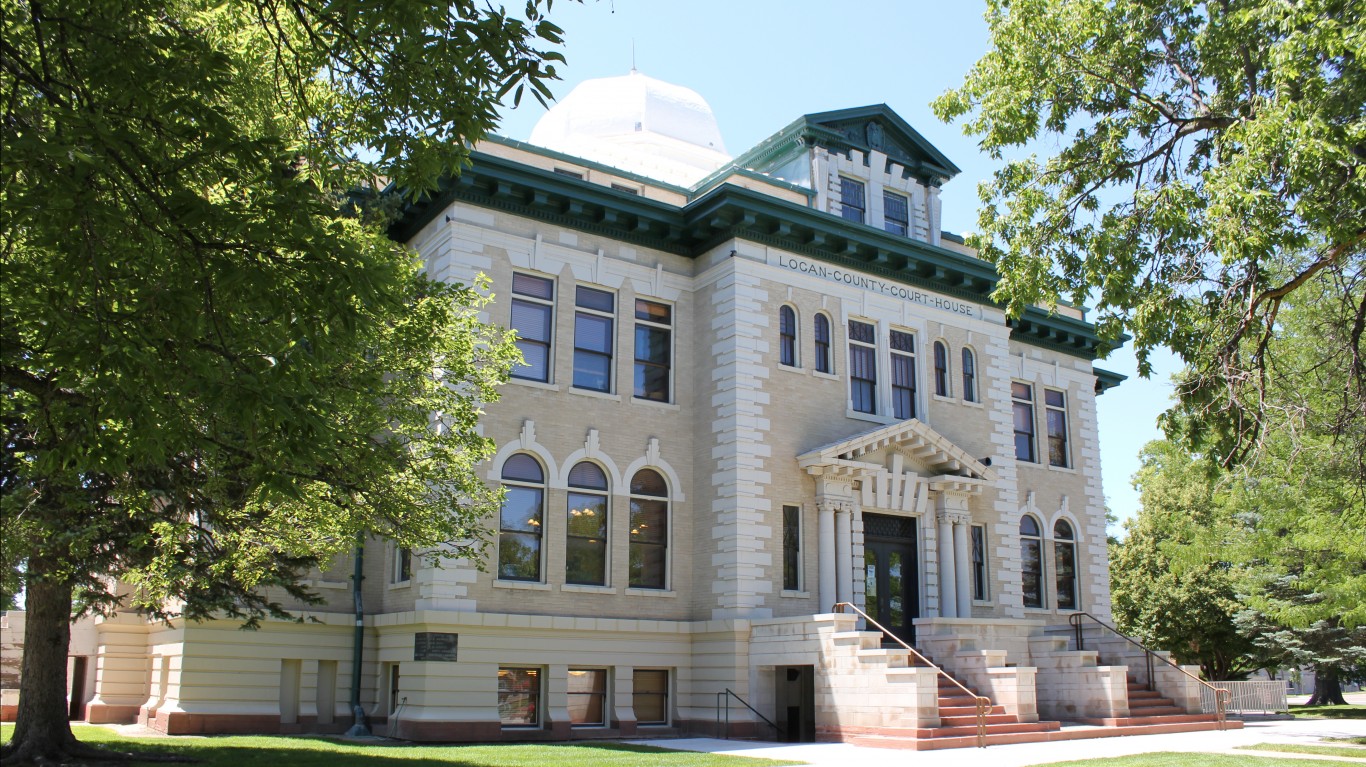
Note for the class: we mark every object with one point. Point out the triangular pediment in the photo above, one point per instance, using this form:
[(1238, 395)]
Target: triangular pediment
[(878, 128), (913, 439)]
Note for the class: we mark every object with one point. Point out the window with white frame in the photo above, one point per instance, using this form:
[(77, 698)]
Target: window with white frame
[(521, 519), (896, 216), (650, 696), (822, 347), (1022, 401), (533, 317), (792, 548), (1031, 561), (654, 350), (587, 697), (903, 375), (519, 696), (403, 565), (1065, 565), (979, 562), (969, 376), (585, 556), (853, 203), (649, 529), (787, 336), (1055, 412), (941, 369), (594, 318), (862, 366)]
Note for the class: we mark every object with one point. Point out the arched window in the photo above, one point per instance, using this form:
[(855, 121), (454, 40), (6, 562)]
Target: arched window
[(969, 376), (823, 344), (649, 530), (787, 336), (585, 558), (1065, 564), (520, 522), (1031, 562), (941, 369)]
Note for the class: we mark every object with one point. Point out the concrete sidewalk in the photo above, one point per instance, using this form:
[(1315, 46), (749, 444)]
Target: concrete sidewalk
[(1023, 754)]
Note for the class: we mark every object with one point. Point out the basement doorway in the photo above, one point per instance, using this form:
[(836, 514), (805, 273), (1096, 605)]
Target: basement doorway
[(794, 699)]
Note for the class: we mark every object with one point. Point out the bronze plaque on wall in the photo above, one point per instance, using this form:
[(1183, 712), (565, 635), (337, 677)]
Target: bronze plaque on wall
[(431, 645)]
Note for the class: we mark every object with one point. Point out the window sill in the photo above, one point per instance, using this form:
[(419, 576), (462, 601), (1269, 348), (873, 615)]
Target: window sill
[(1063, 469), (869, 417), (667, 594), (498, 583), (826, 376), (656, 403), (583, 588), (401, 584), (971, 403), (983, 603), (595, 394), (534, 384), (944, 398), (791, 368), (1038, 610), (795, 594)]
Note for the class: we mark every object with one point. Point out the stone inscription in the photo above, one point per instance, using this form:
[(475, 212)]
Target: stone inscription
[(867, 282)]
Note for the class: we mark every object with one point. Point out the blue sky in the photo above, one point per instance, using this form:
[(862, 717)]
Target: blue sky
[(763, 63)]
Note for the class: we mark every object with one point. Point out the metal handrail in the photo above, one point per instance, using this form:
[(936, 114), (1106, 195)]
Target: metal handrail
[(726, 695), (983, 702), (1222, 696)]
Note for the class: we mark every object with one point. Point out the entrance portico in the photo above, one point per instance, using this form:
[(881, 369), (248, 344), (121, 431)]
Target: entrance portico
[(903, 471)]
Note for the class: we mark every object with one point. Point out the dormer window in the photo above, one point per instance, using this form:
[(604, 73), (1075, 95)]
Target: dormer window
[(896, 214), (853, 204)]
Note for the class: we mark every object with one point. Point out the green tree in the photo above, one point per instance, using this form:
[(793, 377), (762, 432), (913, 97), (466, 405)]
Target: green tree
[(217, 371), (1159, 595), (1210, 165)]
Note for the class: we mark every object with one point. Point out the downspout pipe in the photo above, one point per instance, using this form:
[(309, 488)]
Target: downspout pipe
[(361, 726)]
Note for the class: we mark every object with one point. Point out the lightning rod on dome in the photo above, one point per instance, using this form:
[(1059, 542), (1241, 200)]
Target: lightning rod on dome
[(633, 54)]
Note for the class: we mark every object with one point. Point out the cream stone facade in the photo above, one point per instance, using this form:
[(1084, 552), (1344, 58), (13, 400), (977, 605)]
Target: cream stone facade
[(757, 387)]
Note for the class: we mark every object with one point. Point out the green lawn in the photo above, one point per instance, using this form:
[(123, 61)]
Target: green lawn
[(306, 751), (1360, 741), (1309, 748), (1165, 759), (1330, 712)]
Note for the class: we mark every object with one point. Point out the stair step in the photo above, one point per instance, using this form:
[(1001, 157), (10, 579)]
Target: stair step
[(946, 711), (970, 720), (1142, 693), (1151, 703), (1156, 712), (1065, 733), (1147, 721)]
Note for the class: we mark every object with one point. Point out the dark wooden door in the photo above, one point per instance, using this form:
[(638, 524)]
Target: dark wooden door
[(891, 574)]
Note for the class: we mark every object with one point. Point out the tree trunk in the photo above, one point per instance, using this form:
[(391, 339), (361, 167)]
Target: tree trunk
[(41, 730), (1327, 688)]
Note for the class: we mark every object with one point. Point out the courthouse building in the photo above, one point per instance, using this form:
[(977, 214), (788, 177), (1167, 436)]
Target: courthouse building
[(755, 386)]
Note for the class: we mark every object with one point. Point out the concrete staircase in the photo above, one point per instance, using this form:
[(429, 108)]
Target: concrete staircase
[(1150, 713)]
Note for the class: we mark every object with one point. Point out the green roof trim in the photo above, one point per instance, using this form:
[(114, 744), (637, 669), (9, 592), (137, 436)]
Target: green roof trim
[(1107, 380), (726, 212)]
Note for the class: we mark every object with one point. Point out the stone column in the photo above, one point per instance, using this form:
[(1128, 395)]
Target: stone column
[(825, 550), (844, 555), (962, 567), (948, 582)]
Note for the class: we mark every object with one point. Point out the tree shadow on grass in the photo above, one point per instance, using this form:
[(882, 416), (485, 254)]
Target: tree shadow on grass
[(1330, 712)]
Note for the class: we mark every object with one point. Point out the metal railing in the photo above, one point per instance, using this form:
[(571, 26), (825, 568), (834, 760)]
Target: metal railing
[(1250, 696), (1221, 695), (723, 699), (983, 703)]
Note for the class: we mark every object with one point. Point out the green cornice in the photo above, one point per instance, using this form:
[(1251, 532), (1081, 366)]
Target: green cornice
[(1107, 380), (727, 212), (581, 162)]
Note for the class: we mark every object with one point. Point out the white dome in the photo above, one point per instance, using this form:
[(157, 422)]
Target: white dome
[(638, 124)]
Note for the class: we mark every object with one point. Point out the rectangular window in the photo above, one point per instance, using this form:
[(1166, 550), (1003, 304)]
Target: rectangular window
[(1055, 411), (895, 214), (1031, 572), (648, 566), (403, 565), (1022, 396), (979, 562), (569, 173), (593, 321), (903, 375), (862, 366), (626, 189), (650, 696), (519, 534), (586, 539), (822, 344), (792, 548), (654, 352), (587, 697), (533, 317), (852, 205), (519, 697)]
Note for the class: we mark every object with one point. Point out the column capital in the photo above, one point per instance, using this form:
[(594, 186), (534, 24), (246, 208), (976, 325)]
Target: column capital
[(953, 518)]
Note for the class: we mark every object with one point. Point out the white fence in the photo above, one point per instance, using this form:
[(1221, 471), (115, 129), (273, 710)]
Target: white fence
[(1257, 697)]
